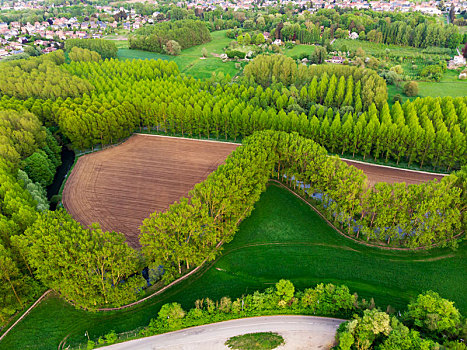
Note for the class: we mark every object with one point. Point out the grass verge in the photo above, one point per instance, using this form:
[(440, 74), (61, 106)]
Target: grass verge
[(255, 341)]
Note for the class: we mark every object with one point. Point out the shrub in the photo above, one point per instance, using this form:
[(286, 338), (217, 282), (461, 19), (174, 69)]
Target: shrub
[(172, 48), (411, 89), (236, 53), (111, 337), (397, 98)]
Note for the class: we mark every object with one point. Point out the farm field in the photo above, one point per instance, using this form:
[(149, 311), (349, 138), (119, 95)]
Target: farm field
[(189, 61), (120, 186), (283, 238), (376, 174)]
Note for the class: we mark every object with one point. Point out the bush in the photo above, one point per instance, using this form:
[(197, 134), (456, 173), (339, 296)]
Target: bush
[(111, 337), (172, 48), (39, 168), (236, 53), (411, 89), (397, 98)]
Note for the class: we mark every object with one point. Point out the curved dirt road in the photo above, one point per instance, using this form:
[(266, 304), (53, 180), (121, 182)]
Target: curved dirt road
[(299, 332)]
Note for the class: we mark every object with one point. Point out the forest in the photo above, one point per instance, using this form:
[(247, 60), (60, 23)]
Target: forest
[(186, 33), (341, 109), (284, 114)]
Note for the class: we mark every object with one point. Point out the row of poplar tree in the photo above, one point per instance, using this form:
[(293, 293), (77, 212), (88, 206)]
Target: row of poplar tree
[(192, 230), (339, 109)]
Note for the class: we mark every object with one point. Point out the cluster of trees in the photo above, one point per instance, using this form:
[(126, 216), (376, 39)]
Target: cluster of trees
[(429, 322), (43, 163), (324, 299), (17, 212), (86, 266), (105, 48), (186, 33), (413, 215), (78, 54), (330, 85), (192, 230), (152, 95), (40, 77), (21, 134), (422, 35)]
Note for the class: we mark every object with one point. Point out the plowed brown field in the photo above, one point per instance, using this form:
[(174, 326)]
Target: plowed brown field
[(376, 173), (120, 186)]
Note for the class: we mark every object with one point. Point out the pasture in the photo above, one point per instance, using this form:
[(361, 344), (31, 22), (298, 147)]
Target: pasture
[(283, 238), (449, 85), (189, 61), (120, 186), (298, 50)]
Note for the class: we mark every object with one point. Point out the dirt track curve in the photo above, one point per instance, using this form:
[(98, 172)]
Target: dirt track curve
[(120, 186)]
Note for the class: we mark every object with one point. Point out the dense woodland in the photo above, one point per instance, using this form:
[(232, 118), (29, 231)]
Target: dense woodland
[(186, 33), (340, 108), (105, 48), (291, 113)]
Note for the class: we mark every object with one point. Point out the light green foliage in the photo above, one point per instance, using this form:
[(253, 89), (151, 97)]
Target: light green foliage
[(172, 315), (78, 54), (89, 273), (21, 134), (431, 313), (36, 191), (285, 290), (40, 77), (105, 48)]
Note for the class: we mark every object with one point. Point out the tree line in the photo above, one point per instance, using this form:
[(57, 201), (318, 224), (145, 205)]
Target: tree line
[(329, 85), (427, 131), (186, 33), (40, 77), (133, 95), (105, 48), (192, 230)]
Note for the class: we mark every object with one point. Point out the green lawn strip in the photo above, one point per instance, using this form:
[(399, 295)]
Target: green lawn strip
[(189, 61), (255, 341), (283, 238)]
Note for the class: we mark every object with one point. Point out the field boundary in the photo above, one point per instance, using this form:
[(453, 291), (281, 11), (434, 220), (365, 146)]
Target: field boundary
[(26, 313), (391, 167), (372, 245), (189, 138)]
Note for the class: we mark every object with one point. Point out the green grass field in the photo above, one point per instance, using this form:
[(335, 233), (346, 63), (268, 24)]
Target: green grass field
[(449, 85), (297, 50), (189, 61), (283, 238)]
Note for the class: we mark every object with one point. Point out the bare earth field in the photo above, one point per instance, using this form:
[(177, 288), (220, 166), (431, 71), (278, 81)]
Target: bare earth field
[(376, 173), (120, 186)]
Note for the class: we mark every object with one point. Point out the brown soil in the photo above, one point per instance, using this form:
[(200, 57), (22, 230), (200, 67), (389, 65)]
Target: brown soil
[(377, 173), (121, 186)]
